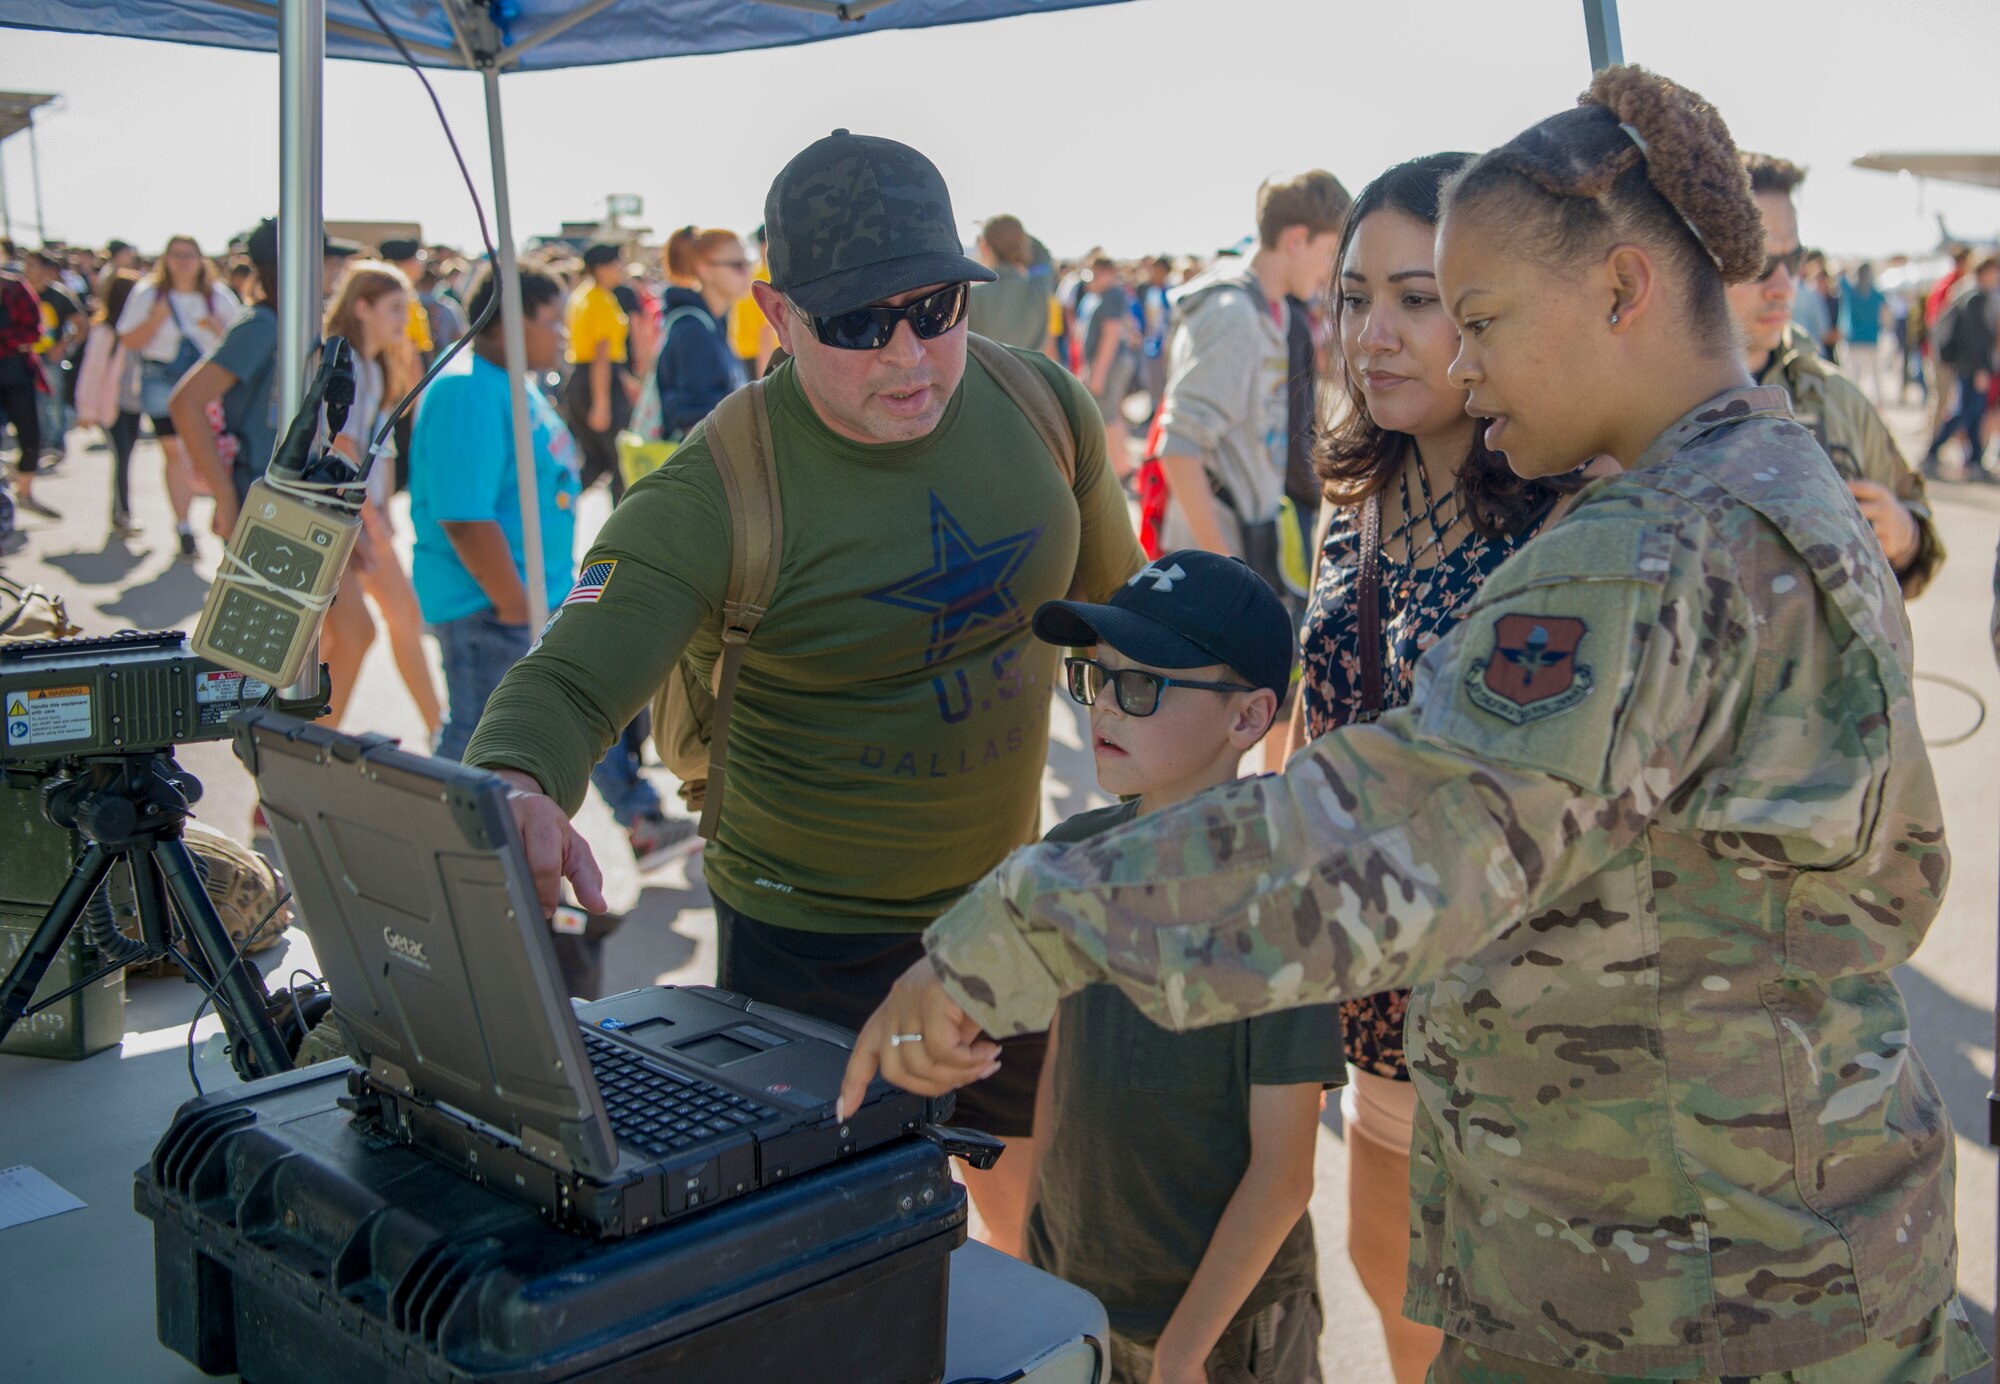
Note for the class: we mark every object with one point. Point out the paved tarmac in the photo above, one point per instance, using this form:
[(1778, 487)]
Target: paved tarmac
[(669, 929)]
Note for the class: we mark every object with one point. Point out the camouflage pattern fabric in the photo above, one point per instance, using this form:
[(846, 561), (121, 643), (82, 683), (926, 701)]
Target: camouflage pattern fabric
[(1937, 1350), (238, 880), (1838, 415), (1646, 844), (323, 1043)]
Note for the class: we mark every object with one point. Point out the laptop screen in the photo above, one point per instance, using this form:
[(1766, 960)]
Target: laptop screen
[(411, 881)]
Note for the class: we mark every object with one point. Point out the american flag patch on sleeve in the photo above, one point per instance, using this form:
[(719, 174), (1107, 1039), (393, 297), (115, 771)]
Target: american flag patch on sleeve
[(591, 584)]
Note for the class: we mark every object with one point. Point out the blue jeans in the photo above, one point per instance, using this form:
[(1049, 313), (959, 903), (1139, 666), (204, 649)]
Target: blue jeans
[(478, 650), (1966, 418)]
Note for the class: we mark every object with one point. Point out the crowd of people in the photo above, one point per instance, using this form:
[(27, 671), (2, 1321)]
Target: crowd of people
[(1470, 502)]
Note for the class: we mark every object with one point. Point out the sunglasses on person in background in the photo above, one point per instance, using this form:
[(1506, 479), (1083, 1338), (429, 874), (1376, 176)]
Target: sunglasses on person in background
[(869, 329), (1793, 260), (729, 264), (1137, 691)]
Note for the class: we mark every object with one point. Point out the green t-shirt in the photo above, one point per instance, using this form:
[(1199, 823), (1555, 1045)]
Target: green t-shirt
[(1152, 1138), (891, 722)]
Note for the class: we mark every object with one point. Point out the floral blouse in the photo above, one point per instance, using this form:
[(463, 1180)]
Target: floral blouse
[(1420, 605)]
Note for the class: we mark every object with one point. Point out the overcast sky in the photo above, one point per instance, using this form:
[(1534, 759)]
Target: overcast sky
[(1144, 126)]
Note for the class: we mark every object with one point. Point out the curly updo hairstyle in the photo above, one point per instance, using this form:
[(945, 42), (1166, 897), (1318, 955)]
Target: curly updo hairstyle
[(1354, 457), (1640, 159)]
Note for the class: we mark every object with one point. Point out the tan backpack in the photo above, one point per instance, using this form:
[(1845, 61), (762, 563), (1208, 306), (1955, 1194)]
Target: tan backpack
[(690, 716)]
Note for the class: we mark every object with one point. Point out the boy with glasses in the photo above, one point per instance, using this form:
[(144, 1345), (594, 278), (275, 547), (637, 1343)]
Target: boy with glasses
[(1176, 1168), (888, 732)]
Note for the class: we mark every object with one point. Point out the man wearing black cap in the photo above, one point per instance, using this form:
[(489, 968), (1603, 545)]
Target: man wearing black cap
[(888, 734)]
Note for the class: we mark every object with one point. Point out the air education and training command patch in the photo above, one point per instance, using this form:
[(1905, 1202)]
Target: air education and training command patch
[(1533, 673)]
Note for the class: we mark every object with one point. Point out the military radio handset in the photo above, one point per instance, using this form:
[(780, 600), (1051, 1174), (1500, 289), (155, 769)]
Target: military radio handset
[(293, 537)]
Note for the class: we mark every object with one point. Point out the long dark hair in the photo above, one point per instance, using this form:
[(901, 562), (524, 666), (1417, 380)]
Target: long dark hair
[(1354, 458)]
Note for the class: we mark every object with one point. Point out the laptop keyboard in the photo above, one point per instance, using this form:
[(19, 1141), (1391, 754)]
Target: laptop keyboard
[(664, 1112)]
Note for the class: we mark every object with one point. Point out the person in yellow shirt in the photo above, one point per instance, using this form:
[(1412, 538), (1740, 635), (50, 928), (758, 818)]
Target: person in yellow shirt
[(597, 401), (750, 334)]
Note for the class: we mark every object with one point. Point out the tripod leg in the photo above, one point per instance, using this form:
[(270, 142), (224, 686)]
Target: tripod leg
[(26, 974), (257, 1050)]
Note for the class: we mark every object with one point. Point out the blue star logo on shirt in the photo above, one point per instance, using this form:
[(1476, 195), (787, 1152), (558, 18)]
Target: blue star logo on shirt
[(966, 585)]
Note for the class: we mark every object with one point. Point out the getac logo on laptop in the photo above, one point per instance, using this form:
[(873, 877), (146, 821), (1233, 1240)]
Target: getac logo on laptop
[(408, 948)]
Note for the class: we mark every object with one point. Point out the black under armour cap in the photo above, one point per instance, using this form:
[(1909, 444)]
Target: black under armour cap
[(854, 219), (1187, 609)]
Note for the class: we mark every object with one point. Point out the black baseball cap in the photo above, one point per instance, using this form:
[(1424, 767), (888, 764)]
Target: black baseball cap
[(1186, 609), (601, 253), (854, 219), (261, 245), (396, 251)]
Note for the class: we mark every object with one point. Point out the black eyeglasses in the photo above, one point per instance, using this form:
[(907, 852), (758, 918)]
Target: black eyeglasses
[(1793, 260), (1138, 691), (869, 329)]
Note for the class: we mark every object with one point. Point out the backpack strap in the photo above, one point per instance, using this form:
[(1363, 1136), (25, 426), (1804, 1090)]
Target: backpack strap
[(1024, 385), (739, 438)]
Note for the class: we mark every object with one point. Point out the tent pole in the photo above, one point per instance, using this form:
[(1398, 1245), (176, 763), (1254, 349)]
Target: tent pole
[(512, 319), (1600, 23), (35, 173), (301, 239), (6, 213)]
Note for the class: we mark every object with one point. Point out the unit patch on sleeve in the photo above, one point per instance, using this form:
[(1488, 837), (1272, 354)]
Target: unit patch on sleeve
[(1533, 672)]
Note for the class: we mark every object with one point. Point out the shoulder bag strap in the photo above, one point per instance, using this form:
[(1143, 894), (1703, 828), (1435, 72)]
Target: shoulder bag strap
[(1368, 592), (1033, 395), (739, 438)]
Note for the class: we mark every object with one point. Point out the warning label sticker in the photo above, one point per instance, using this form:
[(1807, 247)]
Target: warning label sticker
[(48, 714), (226, 686)]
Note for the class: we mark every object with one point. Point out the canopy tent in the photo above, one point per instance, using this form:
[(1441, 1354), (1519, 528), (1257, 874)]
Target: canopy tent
[(525, 35), (490, 37), (17, 113)]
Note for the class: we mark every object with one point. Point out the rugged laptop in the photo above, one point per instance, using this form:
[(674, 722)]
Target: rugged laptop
[(611, 1117)]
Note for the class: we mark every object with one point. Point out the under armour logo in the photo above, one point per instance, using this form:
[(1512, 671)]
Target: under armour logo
[(1163, 577)]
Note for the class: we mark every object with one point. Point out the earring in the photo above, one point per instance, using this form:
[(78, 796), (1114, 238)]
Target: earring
[(1614, 319)]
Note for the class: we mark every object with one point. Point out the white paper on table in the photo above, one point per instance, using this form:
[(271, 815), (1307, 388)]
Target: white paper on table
[(27, 1194)]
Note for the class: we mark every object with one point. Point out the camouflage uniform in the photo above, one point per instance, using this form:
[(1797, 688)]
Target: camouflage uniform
[(1647, 843), (1843, 422)]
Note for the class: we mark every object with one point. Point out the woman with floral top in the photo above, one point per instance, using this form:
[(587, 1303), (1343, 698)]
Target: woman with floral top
[(1449, 512)]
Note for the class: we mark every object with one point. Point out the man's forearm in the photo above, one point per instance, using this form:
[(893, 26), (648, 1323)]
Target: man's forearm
[(600, 378), (1100, 369), (1187, 484), (191, 426)]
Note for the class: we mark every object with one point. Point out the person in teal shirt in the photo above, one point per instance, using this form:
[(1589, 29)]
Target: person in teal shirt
[(470, 563), (466, 505)]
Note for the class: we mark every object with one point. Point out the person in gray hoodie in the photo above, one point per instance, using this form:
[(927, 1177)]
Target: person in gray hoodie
[(1223, 421)]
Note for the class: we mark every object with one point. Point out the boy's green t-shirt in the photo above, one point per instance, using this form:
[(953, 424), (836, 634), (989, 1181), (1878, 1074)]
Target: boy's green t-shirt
[(1152, 1139), (891, 720)]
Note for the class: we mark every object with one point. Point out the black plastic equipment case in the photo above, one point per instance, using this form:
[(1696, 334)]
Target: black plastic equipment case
[(291, 1244)]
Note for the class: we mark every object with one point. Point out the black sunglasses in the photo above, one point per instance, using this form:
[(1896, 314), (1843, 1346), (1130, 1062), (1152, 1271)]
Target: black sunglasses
[(1793, 260), (1138, 691), (869, 329)]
